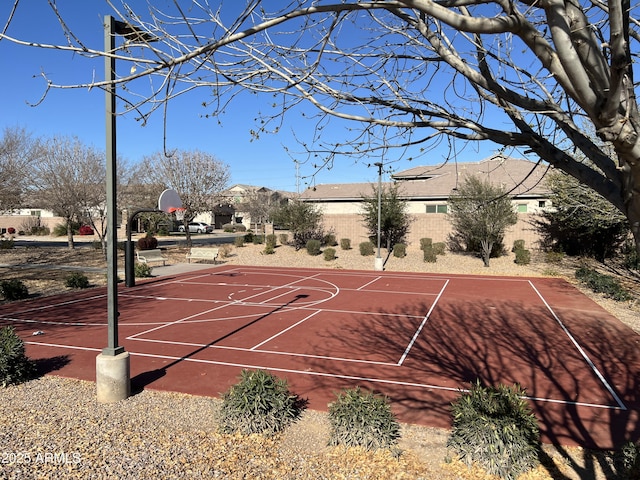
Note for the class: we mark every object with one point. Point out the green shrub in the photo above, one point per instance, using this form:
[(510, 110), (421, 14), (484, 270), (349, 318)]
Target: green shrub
[(313, 247), (142, 270), (76, 280), (330, 240), (228, 228), (284, 238), (439, 248), (359, 419), (248, 237), (13, 290), (496, 429), (6, 244), (238, 241), (523, 257), (345, 244), (366, 249), (399, 250), (601, 283), (426, 243), (628, 460), (554, 257), (259, 403), (429, 255), (258, 239), (15, 367), (271, 240), (329, 254), (269, 249), (517, 245), (60, 230)]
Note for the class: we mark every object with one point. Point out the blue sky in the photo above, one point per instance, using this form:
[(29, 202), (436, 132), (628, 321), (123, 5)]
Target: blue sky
[(81, 113)]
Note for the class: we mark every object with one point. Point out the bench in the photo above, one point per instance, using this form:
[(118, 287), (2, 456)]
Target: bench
[(149, 256), (202, 253)]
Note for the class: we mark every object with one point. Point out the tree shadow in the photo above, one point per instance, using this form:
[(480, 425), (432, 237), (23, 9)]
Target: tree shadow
[(140, 381), (464, 341)]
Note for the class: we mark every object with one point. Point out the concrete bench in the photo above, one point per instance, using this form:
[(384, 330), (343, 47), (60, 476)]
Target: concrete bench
[(150, 256), (202, 253)]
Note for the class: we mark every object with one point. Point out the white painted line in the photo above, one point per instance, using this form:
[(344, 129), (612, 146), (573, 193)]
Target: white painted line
[(285, 330), (369, 283), (144, 332), (593, 367), (424, 321), (322, 374)]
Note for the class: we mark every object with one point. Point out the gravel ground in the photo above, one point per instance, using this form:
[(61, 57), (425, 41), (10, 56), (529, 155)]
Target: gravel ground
[(53, 427)]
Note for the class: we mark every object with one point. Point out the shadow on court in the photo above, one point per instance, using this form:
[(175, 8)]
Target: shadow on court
[(467, 341)]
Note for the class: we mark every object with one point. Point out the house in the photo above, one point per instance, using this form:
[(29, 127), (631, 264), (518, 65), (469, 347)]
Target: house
[(251, 204), (426, 190)]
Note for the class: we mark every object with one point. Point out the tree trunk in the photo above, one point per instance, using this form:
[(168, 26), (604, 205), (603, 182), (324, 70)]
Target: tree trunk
[(487, 246), (70, 234)]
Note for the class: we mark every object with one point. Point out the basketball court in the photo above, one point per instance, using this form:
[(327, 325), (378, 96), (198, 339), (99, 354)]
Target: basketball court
[(417, 338)]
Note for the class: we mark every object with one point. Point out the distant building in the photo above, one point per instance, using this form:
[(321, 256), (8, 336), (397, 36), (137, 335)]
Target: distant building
[(427, 189), (248, 200)]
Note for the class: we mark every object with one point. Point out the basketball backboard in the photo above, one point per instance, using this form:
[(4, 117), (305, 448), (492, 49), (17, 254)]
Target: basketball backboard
[(169, 201)]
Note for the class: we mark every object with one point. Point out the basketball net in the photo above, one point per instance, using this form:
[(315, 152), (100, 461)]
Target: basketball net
[(178, 212)]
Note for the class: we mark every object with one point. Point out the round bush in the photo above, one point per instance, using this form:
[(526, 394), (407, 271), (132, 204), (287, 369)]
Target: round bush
[(429, 255), (85, 230), (271, 240), (269, 250), (399, 250), (15, 367), (148, 242), (238, 241), (426, 243), (345, 244), (366, 249), (142, 270), (362, 419), (313, 247), (496, 429), (523, 257), (13, 290), (329, 254), (76, 280), (284, 238), (259, 403)]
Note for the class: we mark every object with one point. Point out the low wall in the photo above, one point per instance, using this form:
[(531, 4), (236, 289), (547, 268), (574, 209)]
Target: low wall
[(429, 225), (20, 221)]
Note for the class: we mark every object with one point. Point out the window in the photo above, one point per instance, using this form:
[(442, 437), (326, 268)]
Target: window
[(542, 204), (35, 213), (437, 208), (522, 208)]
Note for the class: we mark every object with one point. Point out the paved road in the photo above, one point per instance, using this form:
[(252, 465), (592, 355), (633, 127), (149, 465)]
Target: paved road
[(215, 238)]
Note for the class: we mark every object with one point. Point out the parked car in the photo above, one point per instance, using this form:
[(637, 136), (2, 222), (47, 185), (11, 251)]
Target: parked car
[(197, 227)]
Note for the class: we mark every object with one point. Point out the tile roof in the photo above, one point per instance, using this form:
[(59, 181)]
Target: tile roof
[(522, 177)]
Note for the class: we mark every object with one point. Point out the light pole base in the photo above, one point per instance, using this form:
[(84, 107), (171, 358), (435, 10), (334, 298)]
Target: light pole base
[(379, 264), (112, 377)]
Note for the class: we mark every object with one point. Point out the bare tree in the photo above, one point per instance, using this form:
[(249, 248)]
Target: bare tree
[(69, 179), (260, 204), (406, 73), (17, 152), (198, 177)]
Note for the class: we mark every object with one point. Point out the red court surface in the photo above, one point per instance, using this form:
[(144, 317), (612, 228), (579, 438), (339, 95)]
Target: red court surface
[(417, 338)]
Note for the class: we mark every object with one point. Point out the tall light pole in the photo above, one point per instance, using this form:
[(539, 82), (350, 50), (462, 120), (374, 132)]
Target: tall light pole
[(379, 264), (112, 364)]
